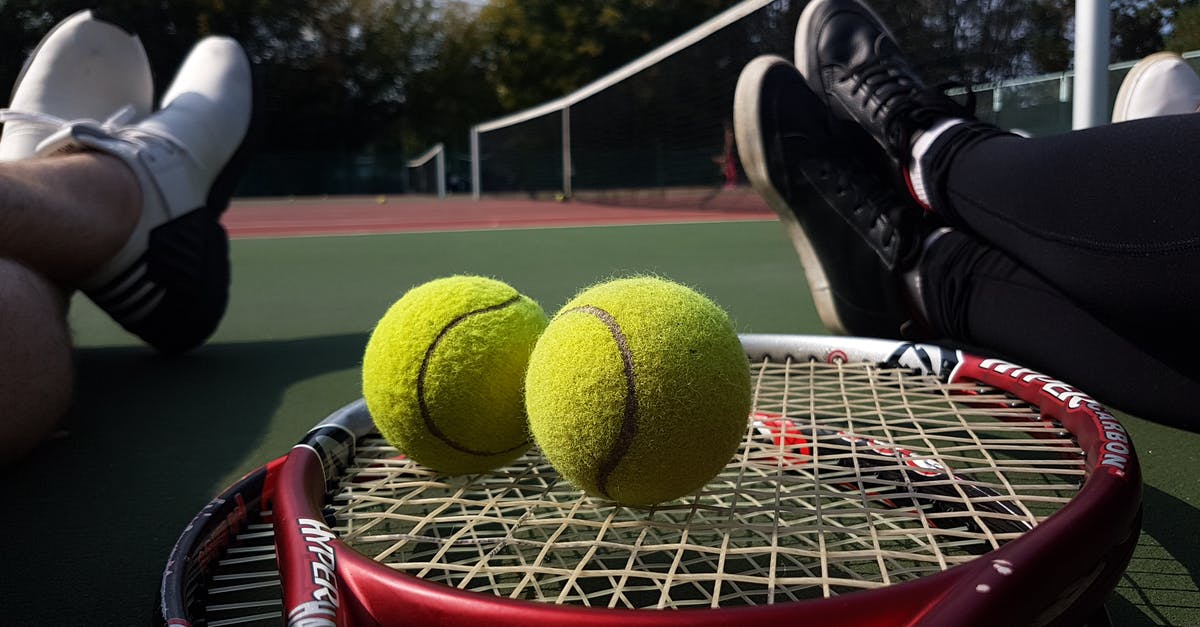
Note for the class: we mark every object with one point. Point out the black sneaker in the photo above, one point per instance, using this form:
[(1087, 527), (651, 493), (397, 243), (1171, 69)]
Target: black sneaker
[(854, 232), (854, 64)]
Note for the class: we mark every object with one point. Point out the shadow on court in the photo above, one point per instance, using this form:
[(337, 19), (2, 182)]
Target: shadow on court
[(1161, 585), (92, 516)]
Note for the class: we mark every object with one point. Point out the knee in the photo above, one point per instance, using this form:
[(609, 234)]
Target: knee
[(35, 357)]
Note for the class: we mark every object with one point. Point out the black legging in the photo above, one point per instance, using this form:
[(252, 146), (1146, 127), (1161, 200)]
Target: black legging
[(983, 297), (1096, 234)]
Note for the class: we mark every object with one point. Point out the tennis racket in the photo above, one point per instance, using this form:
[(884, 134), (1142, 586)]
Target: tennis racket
[(878, 483), (222, 569)]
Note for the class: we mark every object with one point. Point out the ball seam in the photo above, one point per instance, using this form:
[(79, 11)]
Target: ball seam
[(628, 429), (426, 417)]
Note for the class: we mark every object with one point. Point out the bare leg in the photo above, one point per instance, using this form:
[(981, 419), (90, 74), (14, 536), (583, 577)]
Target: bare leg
[(35, 359), (75, 218), (64, 216), (60, 219)]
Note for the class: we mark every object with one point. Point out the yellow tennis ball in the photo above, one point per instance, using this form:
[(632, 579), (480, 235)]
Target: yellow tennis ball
[(444, 369), (638, 391)]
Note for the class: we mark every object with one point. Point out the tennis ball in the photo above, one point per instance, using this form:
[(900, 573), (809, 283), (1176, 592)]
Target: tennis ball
[(444, 369), (638, 391)]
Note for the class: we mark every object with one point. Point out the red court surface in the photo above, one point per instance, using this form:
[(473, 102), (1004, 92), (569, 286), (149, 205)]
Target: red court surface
[(247, 218)]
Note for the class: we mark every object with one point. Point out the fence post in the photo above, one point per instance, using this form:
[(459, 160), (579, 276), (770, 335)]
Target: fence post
[(1092, 26), (566, 151), (475, 183), (440, 168)]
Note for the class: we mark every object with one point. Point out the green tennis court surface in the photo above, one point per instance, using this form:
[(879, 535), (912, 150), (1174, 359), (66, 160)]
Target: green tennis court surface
[(91, 518)]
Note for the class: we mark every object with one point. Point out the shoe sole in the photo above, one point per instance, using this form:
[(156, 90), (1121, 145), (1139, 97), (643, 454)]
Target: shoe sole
[(1129, 85), (747, 104), (226, 182)]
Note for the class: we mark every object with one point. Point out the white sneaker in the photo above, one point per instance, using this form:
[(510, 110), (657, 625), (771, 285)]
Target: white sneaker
[(169, 284), (84, 68), (1160, 84)]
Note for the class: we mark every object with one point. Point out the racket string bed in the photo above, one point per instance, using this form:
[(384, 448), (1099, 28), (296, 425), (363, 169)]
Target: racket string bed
[(892, 470), (781, 523), (244, 587)]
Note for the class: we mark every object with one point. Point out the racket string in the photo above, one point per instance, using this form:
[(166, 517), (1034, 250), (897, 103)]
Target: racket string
[(243, 588), (851, 510)]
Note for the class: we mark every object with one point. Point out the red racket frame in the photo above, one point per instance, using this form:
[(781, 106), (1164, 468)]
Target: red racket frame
[(1037, 578)]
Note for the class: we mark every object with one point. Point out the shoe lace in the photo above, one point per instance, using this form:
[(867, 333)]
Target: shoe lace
[(903, 104), (878, 212), (116, 125), (155, 142), (112, 124)]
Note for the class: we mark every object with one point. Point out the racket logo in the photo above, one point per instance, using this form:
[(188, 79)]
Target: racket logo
[(796, 443), (1116, 447), (921, 465), (923, 358), (321, 609), (925, 479)]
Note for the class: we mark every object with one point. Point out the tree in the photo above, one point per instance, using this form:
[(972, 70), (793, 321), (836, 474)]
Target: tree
[(1185, 33), (542, 49), (1048, 39), (349, 77), (450, 89), (1138, 27), (330, 74), (970, 41)]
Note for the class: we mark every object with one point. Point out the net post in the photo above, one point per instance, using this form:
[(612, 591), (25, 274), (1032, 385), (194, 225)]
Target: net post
[(566, 151), (475, 188), (440, 168), (1092, 26)]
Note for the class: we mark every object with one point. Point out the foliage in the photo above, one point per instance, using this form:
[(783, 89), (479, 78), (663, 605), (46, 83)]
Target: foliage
[(1185, 35), (542, 49), (1138, 26), (361, 76), (451, 89), (329, 74), (971, 41)]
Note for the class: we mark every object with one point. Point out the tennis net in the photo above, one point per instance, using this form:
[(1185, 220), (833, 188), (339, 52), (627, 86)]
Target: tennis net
[(657, 132), (427, 173)]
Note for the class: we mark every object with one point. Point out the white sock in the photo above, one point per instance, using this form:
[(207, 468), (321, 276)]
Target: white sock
[(921, 146)]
